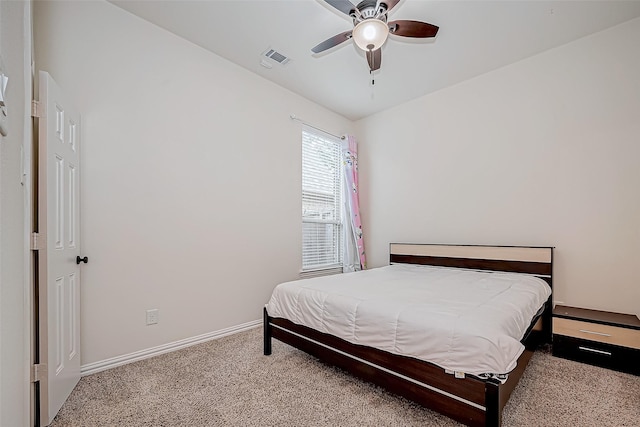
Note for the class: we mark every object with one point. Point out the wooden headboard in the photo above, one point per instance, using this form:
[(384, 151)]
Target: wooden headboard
[(513, 259)]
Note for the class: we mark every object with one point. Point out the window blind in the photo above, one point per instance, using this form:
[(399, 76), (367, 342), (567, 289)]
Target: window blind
[(321, 202)]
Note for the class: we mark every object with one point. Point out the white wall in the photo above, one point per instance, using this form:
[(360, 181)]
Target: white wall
[(191, 172), (15, 48), (542, 152), (190, 181)]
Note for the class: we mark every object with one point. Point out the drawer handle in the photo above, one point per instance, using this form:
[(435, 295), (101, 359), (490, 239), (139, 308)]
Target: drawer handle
[(593, 350), (595, 333)]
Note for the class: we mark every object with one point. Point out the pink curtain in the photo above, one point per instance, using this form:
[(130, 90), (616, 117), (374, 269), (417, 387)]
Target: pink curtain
[(354, 256)]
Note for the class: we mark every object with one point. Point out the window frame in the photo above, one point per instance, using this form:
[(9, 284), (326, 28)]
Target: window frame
[(334, 199)]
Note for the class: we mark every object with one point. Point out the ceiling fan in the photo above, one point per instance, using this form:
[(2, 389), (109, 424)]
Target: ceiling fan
[(371, 29)]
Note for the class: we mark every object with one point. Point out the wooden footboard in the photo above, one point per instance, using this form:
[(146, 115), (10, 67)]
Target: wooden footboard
[(471, 400)]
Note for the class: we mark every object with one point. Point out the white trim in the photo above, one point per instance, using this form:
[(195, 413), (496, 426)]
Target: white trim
[(28, 407), (382, 368), (103, 365)]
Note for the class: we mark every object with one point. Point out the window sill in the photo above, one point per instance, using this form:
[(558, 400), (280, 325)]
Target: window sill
[(328, 271)]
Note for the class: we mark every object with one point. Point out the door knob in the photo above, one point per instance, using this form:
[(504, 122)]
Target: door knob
[(79, 260)]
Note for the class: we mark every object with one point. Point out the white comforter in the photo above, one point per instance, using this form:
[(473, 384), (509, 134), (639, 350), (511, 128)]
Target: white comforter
[(461, 320)]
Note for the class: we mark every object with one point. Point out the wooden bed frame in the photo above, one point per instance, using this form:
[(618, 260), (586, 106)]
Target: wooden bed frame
[(471, 400)]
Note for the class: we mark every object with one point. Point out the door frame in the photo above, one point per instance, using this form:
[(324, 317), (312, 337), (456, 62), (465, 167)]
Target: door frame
[(28, 150), (31, 227)]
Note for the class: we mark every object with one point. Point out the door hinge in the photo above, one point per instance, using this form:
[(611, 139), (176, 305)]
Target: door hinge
[(37, 242), (38, 372), (35, 109)]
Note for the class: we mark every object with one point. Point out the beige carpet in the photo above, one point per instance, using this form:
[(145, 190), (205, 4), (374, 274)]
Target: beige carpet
[(228, 382)]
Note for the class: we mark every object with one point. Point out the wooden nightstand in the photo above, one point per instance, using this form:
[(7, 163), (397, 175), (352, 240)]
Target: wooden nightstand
[(601, 338)]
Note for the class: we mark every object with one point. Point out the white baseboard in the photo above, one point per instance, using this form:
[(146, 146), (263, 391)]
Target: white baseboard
[(103, 365)]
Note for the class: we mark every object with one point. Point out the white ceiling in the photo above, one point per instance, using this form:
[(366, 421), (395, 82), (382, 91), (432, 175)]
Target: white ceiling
[(475, 37)]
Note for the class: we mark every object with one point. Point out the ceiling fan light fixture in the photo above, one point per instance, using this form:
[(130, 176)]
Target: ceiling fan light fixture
[(370, 34)]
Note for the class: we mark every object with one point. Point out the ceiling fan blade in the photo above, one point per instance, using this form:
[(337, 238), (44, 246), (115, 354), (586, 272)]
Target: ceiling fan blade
[(417, 29), (390, 3), (333, 41), (374, 58), (344, 6)]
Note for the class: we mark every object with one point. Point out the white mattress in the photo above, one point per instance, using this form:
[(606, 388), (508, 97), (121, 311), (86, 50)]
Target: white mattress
[(461, 320)]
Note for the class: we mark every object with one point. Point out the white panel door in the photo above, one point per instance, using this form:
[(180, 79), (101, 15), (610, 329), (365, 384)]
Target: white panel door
[(58, 228)]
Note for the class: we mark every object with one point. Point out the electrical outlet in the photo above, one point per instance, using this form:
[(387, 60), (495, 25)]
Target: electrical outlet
[(152, 316)]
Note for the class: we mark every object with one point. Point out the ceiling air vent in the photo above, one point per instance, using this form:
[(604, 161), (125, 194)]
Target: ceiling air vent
[(275, 56)]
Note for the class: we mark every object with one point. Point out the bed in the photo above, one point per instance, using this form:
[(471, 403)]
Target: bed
[(454, 387)]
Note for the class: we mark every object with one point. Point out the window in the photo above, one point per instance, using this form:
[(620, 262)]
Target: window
[(321, 202)]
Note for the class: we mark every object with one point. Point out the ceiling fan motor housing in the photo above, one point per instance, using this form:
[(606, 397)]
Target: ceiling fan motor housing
[(367, 10)]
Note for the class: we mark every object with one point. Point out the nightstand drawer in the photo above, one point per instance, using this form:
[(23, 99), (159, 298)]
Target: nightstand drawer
[(624, 337), (596, 353)]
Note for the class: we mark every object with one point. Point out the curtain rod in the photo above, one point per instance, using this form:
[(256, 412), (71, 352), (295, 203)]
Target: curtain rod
[(293, 117)]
